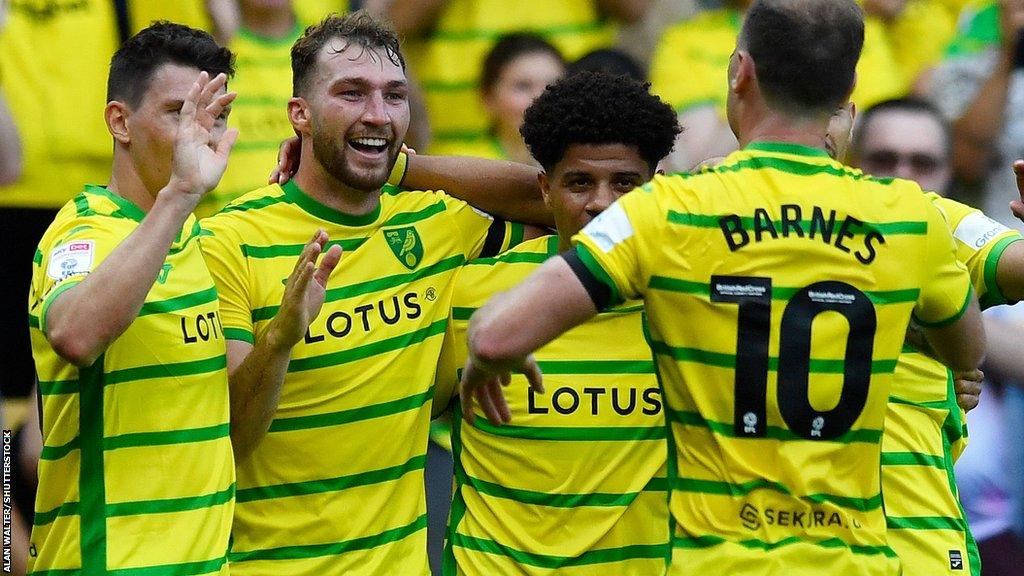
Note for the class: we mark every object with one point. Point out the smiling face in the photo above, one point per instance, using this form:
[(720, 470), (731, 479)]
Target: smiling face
[(153, 123), (588, 179), (358, 111)]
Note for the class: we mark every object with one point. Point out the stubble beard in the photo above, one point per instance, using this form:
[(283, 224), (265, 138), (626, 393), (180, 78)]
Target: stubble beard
[(332, 153)]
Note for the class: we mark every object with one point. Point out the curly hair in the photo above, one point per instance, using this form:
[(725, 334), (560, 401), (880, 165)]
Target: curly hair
[(595, 108), (133, 65)]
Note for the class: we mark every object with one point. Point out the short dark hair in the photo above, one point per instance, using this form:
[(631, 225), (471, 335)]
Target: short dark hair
[(595, 108), (133, 65), (610, 61), (508, 48), (907, 105), (805, 52), (358, 28)]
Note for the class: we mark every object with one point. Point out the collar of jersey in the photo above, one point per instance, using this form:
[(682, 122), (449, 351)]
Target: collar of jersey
[(296, 196), (125, 207), (787, 148)]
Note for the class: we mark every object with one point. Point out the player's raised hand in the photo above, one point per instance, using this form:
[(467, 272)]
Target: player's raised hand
[(201, 145), (304, 292), (484, 386), (1017, 206)]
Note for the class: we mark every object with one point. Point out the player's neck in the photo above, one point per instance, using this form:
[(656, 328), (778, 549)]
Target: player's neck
[(774, 127), (126, 183), (320, 185), (269, 22)]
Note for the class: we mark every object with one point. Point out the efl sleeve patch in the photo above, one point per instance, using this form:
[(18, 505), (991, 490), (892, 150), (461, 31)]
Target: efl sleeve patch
[(71, 258), (976, 230)]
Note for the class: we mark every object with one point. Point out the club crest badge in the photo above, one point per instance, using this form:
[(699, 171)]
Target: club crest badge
[(406, 244)]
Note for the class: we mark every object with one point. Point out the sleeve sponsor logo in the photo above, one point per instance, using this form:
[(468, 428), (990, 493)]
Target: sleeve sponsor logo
[(71, 259), (610, 228), (977, 230)]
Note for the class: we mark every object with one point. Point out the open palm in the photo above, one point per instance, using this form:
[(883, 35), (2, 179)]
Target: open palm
[(199, 158)]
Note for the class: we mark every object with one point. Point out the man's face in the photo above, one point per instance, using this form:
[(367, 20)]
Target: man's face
[(908, 145), (590, 178), (359, 113), (153, 123)]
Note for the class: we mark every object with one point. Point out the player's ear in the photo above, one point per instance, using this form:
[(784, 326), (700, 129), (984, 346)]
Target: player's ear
[(742, 73), (545, 187), (298, 114), (116, 115)]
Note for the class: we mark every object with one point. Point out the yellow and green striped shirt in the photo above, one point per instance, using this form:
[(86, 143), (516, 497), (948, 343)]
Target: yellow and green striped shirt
[(136, 476), (336, 486), (576, 483), (925, 430), (778, 286)]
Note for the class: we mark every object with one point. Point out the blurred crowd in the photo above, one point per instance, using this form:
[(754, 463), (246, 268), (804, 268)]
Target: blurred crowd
[(939, 99)]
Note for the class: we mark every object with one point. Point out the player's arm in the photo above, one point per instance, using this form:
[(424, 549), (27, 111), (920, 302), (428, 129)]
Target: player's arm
[(10, 146), (503, 334), (506, 189), (256, 371), (82, 321), (960, 344)]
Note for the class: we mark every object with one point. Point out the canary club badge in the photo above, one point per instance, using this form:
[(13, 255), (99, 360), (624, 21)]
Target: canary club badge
[(406, 244)]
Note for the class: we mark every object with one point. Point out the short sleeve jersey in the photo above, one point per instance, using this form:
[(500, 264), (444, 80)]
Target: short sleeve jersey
[(336, 486), (779, 286), (136, 473), (576, 483), (925, 430)]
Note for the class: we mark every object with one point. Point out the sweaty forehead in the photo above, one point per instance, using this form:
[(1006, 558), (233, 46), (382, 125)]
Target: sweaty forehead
[(342, 58)]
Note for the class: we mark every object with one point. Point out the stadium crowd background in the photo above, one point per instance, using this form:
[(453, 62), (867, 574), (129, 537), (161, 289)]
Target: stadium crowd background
[(477, 65)]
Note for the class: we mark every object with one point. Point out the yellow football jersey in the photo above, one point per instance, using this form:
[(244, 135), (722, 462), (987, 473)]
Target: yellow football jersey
[(449, 60), (576, 484), (691, 61), (925, 430), (336, 486), (136, 474), (778, 286)]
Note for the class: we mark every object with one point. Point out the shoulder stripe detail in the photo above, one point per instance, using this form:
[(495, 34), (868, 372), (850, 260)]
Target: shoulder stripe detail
[(728, 489), (336, 484), (342, 292), (169, 505), (925, 523), (993, 295), (256, 204), (588, 558), (45, 517), (180, 302), (796, 167), (574, 434), (52, 387), (292, 250), (58, 452), (366, 350), (412, 217), (239, 334), (512, 258), (711, 541), (352, 414), (683, 418), (187, 436), (781, 293), (913, 459), (334, 548), (884, 228), (82, 206), (190, 368), (726, 360), (560, 500)]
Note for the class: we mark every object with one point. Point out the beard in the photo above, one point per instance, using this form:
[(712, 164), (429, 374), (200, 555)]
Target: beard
[(332, 151)]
